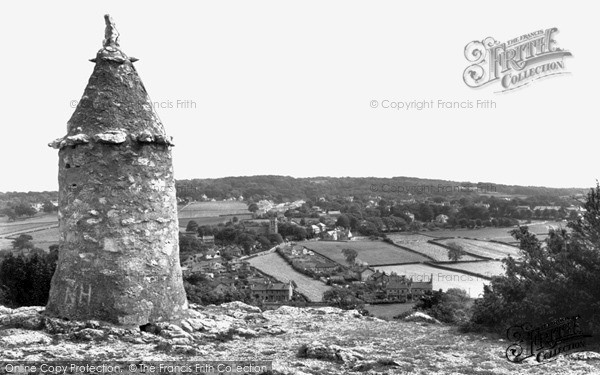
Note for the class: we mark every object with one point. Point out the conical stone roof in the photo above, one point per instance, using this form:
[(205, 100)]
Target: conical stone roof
[(115, 106)]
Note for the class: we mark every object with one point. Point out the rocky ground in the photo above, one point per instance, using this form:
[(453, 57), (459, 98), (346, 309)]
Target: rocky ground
[(298, 341)]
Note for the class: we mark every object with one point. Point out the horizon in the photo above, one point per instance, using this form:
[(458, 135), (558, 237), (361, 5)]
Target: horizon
[(335, 177)]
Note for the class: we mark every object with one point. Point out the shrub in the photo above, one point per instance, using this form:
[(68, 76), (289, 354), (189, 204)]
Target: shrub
[(343, 298), (449, 307), (556, 278), (25, 280)]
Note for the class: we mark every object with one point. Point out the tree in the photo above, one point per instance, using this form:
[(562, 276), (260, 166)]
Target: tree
[(343, 221), (22, 242), (368, 229), (264, 242), (192, 226), (555, 278), (10, 213), (415, 226), (189, 245), (275, 238), (24, 209), (25, 280), (449, 307), (398, 223), (455, 251), (48, 207), (343, 298), (253, 207), (425, 213), (350, 255)]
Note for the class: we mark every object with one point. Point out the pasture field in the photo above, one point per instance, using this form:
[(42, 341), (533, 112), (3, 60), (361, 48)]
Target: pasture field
[(419, 243), (212, 209), (487, 268), (442, 279), (202, 221), (41, 238), (37, 219), (388, 310), (485, 249), (272, 264), (5, 244), (21, 226), (371, 252), (44, 238), (540, 228)]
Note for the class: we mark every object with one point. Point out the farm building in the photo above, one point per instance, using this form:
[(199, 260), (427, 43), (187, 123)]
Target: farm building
[(419, 288), (208, 239), (397, 288), (272, 292)]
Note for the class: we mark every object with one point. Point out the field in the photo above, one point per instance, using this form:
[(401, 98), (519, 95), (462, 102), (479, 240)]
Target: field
[(21, 226), (498, 234), (485, 249), (212, 213), (442, 279), (487, 268), (31, 226), (272, 264), (419, 243), (371, 252), (212, 209), (389, 310), (44, 238), (202, 221)]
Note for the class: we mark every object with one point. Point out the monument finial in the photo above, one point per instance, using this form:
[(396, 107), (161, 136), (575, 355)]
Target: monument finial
[(111, 35)]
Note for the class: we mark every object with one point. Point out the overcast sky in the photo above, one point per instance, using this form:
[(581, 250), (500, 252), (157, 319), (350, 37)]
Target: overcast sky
[(285, 88)]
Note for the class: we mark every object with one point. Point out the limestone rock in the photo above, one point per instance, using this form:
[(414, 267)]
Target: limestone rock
[(319, 350), (584, 356), (237, 305), (88, 334), (24, 317), (111, 136), (76, 139), (20, 337), (421, 317)]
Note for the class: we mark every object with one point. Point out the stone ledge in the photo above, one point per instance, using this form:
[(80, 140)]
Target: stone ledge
[(112, 137)]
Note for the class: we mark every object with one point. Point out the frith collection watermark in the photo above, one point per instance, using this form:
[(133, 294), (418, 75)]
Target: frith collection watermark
[(161, 104), (157, 367), (545, 342), (433, 104), (514, 63), (431, 189)]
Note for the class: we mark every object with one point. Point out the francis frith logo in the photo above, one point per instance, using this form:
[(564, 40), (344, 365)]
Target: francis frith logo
[(514, 63), (546, 341)]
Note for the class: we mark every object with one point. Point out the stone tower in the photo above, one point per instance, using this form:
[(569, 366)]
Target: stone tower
[(273, 225), (119, 250)]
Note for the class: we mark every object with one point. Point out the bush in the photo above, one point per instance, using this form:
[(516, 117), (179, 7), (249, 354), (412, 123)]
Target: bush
[(343, 298), (449, 307), (403, 315), (556, 278), (25, 280)]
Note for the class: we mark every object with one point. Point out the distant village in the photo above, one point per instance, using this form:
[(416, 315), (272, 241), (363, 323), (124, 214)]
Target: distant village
[(214, 258)]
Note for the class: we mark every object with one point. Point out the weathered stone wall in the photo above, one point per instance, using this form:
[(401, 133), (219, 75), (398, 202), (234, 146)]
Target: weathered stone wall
[(119, 252)]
